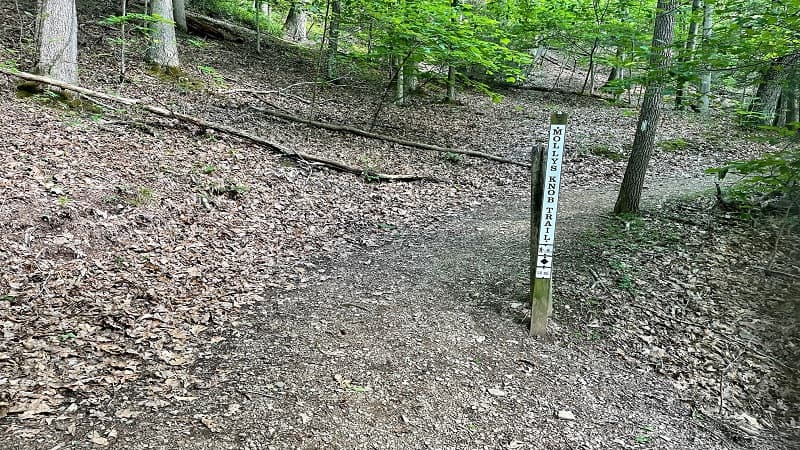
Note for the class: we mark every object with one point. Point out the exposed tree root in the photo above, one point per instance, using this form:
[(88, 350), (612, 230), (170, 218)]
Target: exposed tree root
[(383, 137), (272, 146)]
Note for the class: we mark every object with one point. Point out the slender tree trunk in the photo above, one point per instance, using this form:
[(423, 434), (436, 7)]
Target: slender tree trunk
[(688, 56), (590, 74), (333, 40), (294, 28), (630, 192), (410, 70), (400, 96), (451, 84), (122, 38), (451, 70), (179, 12), (57, 32), (163, 50), (257, 7), (705, 78)]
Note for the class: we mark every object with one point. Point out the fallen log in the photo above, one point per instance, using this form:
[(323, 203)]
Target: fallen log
[(383, 137), (217, 29), (220, 29), (272, 146)]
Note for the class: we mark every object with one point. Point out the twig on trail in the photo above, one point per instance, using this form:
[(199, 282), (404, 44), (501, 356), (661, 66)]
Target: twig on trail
[(383, 137), (778, 272), (353, 305), (527, 362), (272, 146)]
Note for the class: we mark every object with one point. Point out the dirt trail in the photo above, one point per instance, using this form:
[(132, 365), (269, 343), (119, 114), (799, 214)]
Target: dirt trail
[(421, 343)]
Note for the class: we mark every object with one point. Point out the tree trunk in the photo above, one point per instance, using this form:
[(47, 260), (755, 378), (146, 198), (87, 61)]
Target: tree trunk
[(591, 69), (792, 98), (630, 192), (769, 88), (400, 97), (705, 78), (410, 70), (333, 40), (163, 50), (691, 44), (57, 31), (451, 70), (179, 12), (257, 7), (451, 84), (294, 29)]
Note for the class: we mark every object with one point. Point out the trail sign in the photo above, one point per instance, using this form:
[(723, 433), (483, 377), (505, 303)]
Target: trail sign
[(545, 186)]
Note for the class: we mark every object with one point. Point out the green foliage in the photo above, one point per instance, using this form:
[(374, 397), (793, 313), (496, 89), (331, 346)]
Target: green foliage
[(674, 145), (772, 177), (605, 151), (241, 11), (454, 158)]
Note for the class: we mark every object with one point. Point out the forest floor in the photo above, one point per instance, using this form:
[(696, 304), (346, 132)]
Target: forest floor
[(167, 287)]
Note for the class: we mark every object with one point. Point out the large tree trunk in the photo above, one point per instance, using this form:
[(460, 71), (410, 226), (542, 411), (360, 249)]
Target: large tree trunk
[(792, 99), (163, 50), (705, 78), (57, 31), (179, 12), (294, 28), (769, 88), (630, 192), (691, 44), (333, 40)]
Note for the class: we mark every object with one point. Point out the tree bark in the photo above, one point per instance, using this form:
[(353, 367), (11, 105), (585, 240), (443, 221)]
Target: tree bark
[(765, 104), (333, 40), (400, 83), (163, 50), (705, 78), (792, 98), (451, 70), (57, 32), (179, 13), (451, 84), (630, 191), (410, 78), (691, 45), (294, 28)]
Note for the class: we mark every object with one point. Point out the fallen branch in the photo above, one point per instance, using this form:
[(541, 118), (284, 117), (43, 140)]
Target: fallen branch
[(217, 29), (164, 112), (383, 137)]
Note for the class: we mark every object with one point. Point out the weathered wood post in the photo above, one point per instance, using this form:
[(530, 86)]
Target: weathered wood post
[(545, 182)]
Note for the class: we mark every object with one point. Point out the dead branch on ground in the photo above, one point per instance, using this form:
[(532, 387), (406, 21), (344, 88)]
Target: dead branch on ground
[(164, 112), (383, 137)]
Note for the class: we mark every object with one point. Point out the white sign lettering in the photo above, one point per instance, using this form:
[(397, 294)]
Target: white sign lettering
[(552, 181)]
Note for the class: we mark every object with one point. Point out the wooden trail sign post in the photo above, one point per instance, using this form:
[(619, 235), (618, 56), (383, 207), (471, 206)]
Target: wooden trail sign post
[(545, 183)]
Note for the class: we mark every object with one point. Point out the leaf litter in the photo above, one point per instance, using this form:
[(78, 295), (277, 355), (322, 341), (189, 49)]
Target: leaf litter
[(123, 265)]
